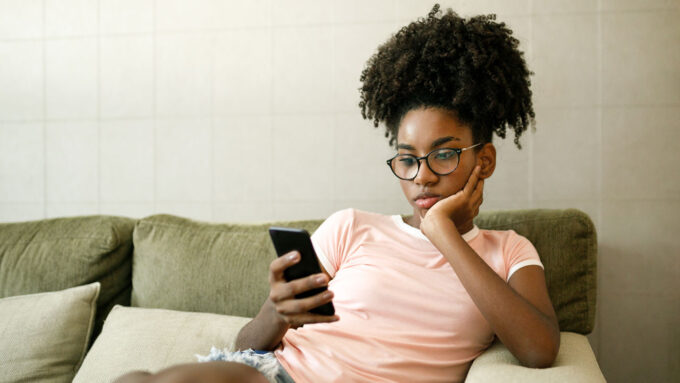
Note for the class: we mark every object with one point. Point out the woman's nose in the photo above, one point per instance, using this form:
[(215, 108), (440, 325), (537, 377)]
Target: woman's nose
[(425, 175)]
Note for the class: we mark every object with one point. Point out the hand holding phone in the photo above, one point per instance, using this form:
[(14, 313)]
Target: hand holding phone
[(301, 272)]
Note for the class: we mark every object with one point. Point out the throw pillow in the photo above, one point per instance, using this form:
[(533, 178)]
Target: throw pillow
[(44, 337), (152, 339), (59, 253)]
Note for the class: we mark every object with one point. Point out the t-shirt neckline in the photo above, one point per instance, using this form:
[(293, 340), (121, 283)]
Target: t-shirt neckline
[(399, 221)]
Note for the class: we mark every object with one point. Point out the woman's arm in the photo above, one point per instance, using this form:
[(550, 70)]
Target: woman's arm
[(281, 310), (264, 332), (519, 312)]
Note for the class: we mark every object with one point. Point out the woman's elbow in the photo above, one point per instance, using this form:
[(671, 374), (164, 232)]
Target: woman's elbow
[(542, 354), (538, 361)]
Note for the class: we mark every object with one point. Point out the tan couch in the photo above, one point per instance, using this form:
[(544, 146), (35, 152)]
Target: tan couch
[(169, 288)]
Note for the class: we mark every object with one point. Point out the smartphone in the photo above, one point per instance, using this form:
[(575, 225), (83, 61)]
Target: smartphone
[(286, 240)]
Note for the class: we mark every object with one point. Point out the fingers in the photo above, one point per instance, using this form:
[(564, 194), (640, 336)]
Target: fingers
[(475, 192), (282, 293), (288, 290), (474, 189), (302, 306), (296, 321), (477, 197), (471, 184), (277, 266), (296, 313), (478, 193)]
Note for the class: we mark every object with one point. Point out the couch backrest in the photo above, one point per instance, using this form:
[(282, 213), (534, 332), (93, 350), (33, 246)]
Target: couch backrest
[(56, 254), (566, 241), (186, 265)]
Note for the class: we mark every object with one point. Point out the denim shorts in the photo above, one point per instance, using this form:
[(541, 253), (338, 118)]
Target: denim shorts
[(263, 361)]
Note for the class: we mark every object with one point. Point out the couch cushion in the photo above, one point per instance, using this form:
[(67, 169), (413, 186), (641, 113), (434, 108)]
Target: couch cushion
[(44, 336), (567, 244), (575, 362), (181, 264), (56, 254), (152, 339)]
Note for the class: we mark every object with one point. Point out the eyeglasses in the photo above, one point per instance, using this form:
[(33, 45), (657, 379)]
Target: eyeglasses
[(440, 161)]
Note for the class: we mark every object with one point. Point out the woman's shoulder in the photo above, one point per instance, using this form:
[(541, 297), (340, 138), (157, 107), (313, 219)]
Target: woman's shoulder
[(507, 239), (500, 233)]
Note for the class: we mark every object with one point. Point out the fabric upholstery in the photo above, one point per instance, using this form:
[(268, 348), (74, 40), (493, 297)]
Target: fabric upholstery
[(153, 339), (180, 264), (44, 336), (55, 254), (222, 268), (567, 244), (575, 362)]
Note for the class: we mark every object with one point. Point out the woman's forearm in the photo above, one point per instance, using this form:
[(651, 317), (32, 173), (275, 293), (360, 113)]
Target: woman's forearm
[(531, 335), (264, 332)]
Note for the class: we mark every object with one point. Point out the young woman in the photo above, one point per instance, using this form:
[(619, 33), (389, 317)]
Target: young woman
[(416, 298)]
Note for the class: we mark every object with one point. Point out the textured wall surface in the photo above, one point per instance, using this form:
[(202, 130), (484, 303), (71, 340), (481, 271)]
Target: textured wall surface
[(247, 111)]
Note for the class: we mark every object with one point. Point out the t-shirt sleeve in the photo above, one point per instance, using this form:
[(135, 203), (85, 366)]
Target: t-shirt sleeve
[(331, 240), (520, 252)]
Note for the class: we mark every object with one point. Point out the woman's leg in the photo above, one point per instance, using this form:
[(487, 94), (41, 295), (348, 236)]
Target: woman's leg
[(133, 377), (207, 372)]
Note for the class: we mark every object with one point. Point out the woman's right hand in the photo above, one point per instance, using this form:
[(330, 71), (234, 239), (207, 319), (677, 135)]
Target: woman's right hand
[(295, 312)]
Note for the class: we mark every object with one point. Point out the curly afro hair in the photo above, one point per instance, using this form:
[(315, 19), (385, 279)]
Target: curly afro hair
[(471, 67)]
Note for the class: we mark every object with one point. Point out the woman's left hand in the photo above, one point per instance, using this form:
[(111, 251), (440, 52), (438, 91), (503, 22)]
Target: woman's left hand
[(461, 208)]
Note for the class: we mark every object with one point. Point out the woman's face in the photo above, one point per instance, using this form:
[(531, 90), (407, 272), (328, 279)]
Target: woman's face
[(421, 131)]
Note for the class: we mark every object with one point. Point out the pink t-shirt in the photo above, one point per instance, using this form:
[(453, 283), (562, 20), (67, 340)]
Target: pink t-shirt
[(404, 314)]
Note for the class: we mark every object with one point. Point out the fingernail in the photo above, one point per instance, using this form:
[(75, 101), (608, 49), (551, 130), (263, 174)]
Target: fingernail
[(292, 256), (327, 294), (320, 279)]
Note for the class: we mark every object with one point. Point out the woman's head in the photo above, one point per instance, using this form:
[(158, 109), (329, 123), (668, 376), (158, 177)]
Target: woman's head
[(471, 68), (444, 83), (436, 156)]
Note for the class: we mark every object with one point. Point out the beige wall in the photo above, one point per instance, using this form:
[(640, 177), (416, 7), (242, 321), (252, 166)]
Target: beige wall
[(246, 111)]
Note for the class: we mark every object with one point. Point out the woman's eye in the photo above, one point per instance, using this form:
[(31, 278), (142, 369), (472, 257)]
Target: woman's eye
[(407, 161), (445, 155)]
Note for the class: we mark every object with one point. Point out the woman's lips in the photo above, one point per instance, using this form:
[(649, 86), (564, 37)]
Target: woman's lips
[(426, 202)]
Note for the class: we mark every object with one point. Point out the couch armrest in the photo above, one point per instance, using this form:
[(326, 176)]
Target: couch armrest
[(575, 363)]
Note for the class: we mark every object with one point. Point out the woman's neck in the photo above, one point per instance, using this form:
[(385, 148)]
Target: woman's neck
[(414, 220)]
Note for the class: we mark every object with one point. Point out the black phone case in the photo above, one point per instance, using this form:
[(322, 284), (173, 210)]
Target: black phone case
[(286, 240)]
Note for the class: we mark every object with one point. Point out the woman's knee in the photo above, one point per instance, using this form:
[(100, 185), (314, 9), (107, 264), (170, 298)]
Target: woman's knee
[(208, 372), (134, 377)]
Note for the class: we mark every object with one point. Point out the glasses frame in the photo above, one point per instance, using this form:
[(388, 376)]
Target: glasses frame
[(426, 157)]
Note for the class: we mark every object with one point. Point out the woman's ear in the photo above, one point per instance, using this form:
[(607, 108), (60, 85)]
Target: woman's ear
[(486, 156)]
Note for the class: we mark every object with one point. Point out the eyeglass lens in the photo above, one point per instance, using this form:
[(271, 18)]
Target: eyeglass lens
[(442, 162)]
